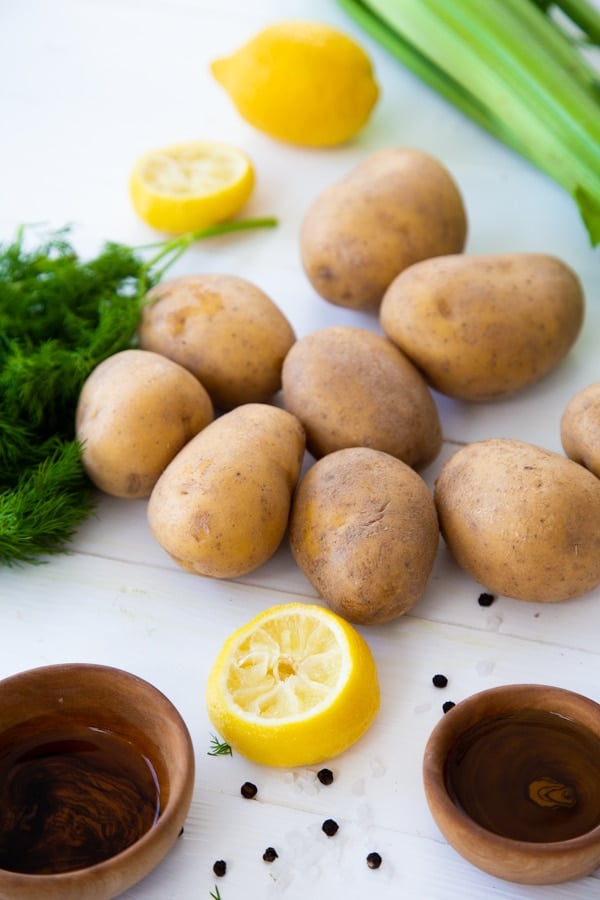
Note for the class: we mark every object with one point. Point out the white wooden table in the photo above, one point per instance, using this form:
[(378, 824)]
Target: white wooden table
[(88, 85)]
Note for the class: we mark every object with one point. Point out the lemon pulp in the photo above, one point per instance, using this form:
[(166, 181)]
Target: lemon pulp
[(286, 669)]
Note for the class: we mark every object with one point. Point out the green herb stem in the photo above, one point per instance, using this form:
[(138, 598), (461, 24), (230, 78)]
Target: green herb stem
[(218, 747), (172, 249)]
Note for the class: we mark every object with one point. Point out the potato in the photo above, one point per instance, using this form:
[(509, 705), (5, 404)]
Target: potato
[(398, 206), (521, 520), (136, 410), (351, 387), (222, 328), (480, 327), (364, 531), (221, 507), (580, 428)]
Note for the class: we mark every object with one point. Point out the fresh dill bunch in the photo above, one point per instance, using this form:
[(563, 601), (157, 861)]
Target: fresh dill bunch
[(45, 508), (50, 294), (60, 316), (38, 387), (20, 449)]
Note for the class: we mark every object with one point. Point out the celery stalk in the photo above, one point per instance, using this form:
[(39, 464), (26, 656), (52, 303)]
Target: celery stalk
[(423, 67), (582, 14), (534, 82), (505, 64)]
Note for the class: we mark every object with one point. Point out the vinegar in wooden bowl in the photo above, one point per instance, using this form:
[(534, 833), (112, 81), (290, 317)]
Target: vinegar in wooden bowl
[(96, 778), (512, 778)]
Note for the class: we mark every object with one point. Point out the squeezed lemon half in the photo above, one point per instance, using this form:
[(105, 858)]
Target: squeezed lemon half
[(303, 82), (190, 186), (294, 686)]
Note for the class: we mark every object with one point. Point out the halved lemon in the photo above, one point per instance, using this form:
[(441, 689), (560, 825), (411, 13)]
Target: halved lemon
[(190, 186), (294, 686)]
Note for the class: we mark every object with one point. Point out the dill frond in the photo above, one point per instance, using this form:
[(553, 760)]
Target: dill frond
[(60, 317), (218, 747), (43, 511)]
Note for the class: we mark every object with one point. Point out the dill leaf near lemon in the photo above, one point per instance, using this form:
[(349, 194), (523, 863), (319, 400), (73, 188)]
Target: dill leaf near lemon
[(303, 82), (294, 686), (191, 185)]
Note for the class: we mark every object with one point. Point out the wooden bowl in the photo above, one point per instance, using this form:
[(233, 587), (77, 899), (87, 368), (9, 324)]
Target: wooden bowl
[(512, 779), (96, 779)]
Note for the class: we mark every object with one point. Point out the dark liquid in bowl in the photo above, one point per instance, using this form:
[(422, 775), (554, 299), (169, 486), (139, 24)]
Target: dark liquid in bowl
[(71, 796), (531, 775)]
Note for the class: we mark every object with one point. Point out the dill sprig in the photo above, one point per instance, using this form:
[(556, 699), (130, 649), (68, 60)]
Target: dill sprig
[(218, 747), (47, 505), (60, 316), (216, 894)]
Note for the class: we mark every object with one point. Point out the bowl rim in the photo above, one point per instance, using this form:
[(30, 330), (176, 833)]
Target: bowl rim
[(180, 788)]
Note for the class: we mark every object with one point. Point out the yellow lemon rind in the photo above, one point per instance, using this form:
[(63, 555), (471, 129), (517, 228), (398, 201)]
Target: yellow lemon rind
[(275, 83)]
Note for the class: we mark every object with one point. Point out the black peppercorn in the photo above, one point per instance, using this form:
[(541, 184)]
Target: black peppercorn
[(325, 776), (373, 860), (486, 599), (448, 706), (270, 854), (248, 790), (440, 681), (330, 826), (220, 867)]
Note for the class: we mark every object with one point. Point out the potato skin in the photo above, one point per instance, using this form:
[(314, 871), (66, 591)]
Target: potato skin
[(580, 428), (364, 531), (396, 207), (136, 410), (351, 387), (222, 328), (221, 507), (521, 520), (481, 327)]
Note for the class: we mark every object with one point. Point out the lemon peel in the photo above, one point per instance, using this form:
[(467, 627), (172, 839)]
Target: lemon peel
[(294, 686), (190, 185), (302, 82)]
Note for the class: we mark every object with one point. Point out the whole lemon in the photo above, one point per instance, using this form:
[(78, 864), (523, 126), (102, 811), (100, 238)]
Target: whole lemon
[(302, 82)]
